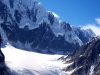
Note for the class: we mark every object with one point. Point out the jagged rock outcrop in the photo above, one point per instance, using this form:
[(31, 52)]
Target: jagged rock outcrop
[(86, 59)]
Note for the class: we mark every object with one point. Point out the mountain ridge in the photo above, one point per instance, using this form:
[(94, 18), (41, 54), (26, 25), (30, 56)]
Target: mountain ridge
[(20, 19), (85, 59)]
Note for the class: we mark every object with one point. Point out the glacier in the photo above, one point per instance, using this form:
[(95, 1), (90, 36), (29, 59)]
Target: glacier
[(32, 63)]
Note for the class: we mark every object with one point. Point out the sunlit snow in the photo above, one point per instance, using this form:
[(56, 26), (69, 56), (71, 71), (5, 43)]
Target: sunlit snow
[(92, 69), (36, 63)]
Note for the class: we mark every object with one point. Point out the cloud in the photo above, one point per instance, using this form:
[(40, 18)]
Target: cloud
[(94, 27), (55, 15), (97, 20)]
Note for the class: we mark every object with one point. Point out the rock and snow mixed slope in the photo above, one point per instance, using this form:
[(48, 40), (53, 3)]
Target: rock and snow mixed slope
[(83, 34), (86, 59), (26, 23), (31, 63)]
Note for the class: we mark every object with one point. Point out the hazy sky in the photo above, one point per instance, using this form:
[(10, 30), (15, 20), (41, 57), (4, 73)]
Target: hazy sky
[(77, 12)]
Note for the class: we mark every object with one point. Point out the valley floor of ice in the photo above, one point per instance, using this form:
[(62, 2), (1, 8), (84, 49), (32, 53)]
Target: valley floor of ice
[(32, 63)]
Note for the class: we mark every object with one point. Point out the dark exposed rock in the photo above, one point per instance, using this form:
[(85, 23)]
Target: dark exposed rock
[(66, 26), (51, 18), (17, 16), (33, 13), (2, 57), (3, 11), (86, 57), (11, 2), (42, 38)]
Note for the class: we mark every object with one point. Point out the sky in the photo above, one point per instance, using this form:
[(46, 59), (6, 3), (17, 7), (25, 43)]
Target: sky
[(76, 12)]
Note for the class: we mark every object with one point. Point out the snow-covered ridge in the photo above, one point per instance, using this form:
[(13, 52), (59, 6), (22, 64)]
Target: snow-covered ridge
[(29, 18), (41, 15), (83, 34)]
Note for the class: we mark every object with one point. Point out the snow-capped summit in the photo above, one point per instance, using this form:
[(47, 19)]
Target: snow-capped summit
[(83, 34), (27, 25)]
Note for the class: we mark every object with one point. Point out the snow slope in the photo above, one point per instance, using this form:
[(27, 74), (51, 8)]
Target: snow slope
[(32, 63)]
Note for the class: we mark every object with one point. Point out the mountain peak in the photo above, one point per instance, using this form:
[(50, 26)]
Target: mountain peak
[(22, 18)]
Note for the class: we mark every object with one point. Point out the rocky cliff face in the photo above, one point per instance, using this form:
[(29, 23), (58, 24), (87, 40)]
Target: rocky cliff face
[(86, 59), (2, 62), (27, 25), (2, 57), (3, 67)]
